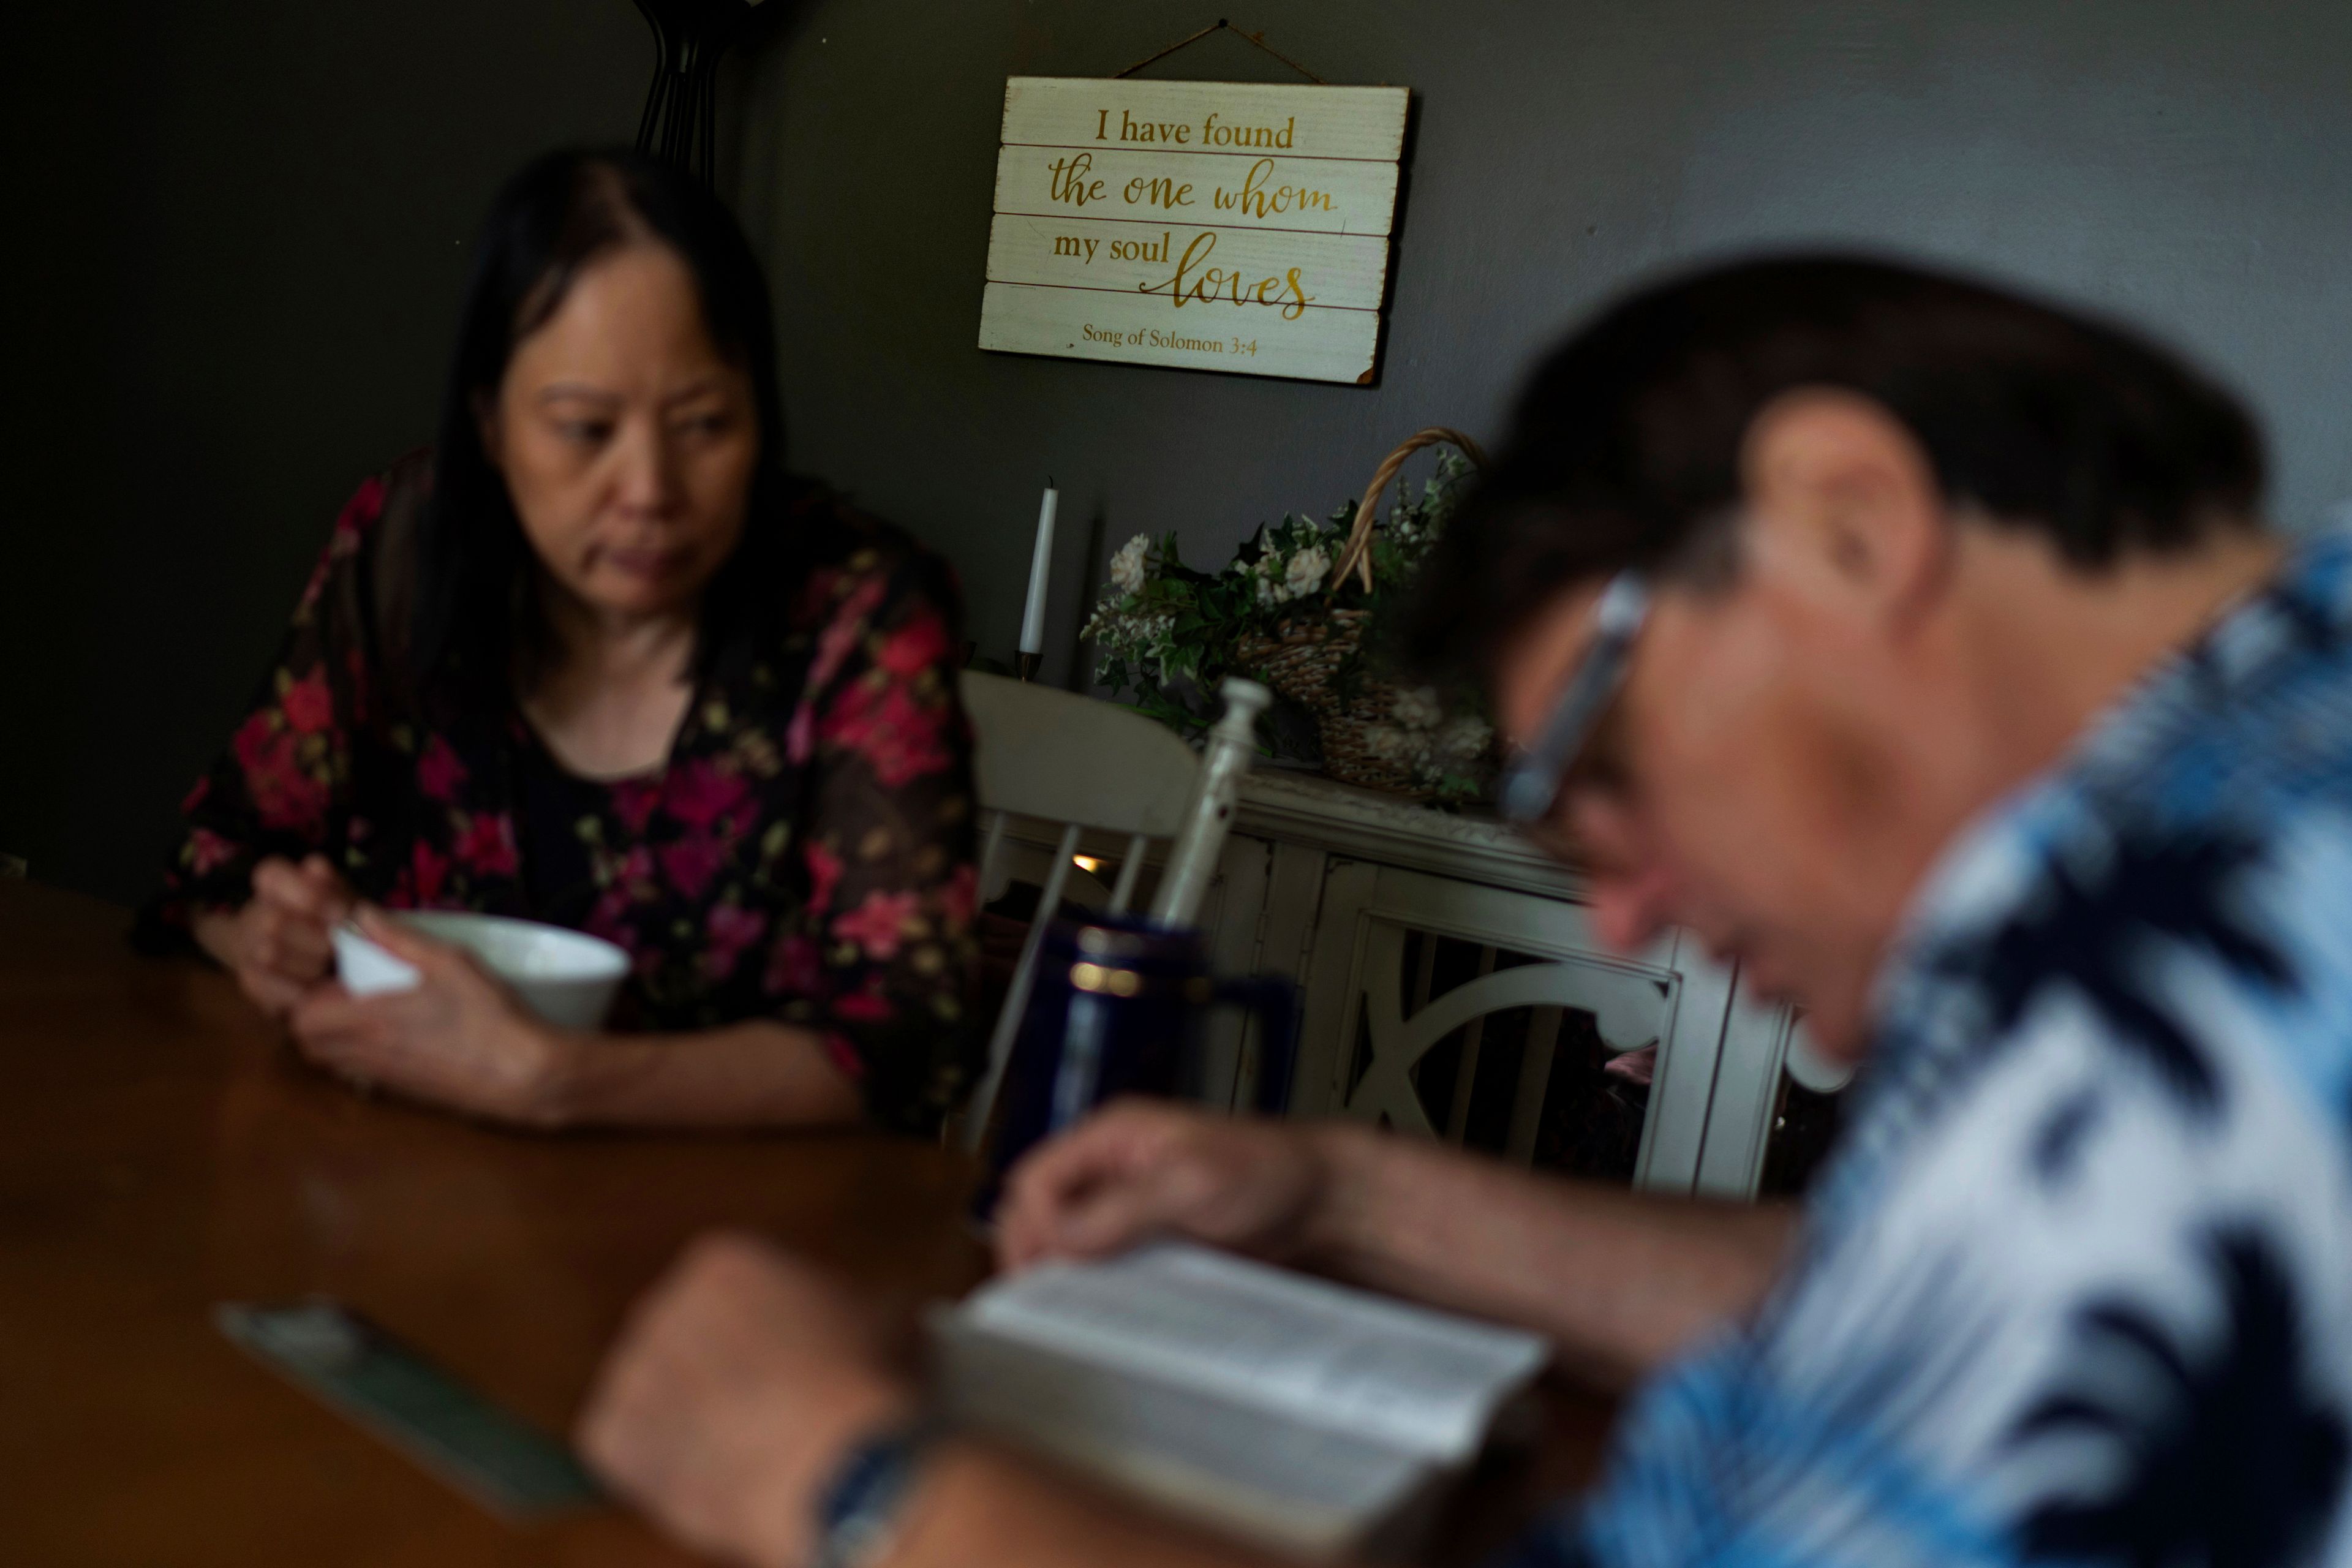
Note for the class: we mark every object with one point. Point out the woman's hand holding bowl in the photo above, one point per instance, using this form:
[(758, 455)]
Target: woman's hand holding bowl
[(460, 1038), (278, 945)]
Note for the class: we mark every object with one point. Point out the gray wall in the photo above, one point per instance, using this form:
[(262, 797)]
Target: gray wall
[(248, 241), (2185, 164), (259, 257)]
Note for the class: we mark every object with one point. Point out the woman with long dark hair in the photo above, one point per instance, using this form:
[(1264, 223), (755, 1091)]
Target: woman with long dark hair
[(597, 659)]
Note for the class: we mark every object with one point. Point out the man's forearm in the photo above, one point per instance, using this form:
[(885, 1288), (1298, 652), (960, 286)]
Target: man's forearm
[(1621, 1280)]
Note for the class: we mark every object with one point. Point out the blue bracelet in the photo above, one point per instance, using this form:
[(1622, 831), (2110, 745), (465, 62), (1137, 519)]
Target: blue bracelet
[(859, 1506)]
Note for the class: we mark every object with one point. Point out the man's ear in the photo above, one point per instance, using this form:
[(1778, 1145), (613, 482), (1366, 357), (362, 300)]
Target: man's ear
[(1835, 478)]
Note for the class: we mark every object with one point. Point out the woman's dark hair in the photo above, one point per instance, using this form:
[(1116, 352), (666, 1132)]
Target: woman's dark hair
[(1625, 450), (474, 618)]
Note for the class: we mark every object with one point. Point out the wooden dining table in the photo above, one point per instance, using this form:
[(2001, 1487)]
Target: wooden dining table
[(162, 1151)]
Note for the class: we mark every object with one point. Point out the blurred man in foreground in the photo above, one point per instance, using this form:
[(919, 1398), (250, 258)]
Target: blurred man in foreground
[(1924, 651)]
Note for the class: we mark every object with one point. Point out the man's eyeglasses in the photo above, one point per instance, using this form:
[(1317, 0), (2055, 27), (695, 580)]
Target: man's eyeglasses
[(1531, 785)]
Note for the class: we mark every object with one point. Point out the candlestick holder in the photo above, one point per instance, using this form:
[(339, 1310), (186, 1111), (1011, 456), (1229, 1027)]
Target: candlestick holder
[(1025, 665)]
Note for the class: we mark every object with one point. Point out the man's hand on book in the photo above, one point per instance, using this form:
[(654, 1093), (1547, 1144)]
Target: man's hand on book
[(1145, 1168), (738, 1383)]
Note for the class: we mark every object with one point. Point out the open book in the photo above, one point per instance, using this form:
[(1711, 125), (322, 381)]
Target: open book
[(1302, 1414)]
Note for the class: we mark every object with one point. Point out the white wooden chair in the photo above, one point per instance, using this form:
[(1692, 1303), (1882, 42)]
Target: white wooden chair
[(1370, 1024), (1091, 766)]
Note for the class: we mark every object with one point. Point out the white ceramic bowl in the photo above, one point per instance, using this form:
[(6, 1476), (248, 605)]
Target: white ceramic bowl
[(567, 977)]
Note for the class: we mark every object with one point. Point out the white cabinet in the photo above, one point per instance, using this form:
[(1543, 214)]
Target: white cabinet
[(1454, 989)]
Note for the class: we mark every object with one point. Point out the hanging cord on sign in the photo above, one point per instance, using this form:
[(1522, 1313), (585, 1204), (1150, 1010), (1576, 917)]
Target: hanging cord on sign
[(1222, 25)]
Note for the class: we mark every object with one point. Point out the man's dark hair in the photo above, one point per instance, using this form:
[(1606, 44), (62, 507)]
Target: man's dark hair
[(473, 620), (1625, 450)]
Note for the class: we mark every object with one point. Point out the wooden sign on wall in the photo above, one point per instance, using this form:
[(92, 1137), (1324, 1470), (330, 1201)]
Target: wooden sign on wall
[(1216, 225)]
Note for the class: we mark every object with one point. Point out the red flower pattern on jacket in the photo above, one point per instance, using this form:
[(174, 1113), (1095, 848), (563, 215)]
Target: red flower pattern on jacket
[(799, 735), (916, 647), (899, 736), (730, 932), (359, 515), (861, 1007), (879, 924), (285, 796), (690, 863), (700, 792), (212, 850), (439, 774), (629, 886), (844, 630), (421, 881), (824, 875), (308, 706), (634, 802), (488, 848)]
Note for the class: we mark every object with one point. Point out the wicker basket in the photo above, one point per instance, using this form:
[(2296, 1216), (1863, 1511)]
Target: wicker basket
[(1309, 651)]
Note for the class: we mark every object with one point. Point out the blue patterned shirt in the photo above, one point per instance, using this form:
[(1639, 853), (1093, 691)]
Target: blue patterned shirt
[(2077, 1285)]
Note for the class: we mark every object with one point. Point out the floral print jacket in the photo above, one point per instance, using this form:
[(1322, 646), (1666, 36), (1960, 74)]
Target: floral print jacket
[(804, 855)]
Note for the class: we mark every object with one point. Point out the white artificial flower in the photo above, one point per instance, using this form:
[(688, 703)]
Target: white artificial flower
[(1384, 743), (1109, 626), (1307, 571), (1417, 707), (1465, 738), (1127, 567)]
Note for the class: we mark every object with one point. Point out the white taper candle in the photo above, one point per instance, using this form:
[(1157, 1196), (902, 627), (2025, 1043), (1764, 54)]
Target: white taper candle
[(1041, 574)]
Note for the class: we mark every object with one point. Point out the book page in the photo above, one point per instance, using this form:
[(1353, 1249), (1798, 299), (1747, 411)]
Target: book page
[(1424, 1381), (1301, 1488)]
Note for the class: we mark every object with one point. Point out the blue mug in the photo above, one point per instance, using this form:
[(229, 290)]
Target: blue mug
[(1116, 1006)]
